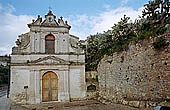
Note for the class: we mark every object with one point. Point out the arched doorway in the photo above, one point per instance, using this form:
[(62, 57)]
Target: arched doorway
[(50, 44), (49, 87)]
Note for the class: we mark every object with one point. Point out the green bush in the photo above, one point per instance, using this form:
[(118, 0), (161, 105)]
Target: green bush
[(4, 76), (160, 43)]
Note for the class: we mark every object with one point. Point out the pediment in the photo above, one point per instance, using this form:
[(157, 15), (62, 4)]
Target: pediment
[(49, 60)]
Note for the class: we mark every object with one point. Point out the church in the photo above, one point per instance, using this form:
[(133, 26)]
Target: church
[(47, 64)]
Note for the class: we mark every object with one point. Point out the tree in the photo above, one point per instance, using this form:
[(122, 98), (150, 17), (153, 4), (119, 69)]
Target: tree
[(157, 11)]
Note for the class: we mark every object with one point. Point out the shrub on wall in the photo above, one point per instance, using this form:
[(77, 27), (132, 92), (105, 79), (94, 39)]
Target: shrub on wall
[(160, 43)]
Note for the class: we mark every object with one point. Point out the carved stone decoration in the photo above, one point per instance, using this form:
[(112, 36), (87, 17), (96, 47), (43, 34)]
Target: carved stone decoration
[(49, 60), (22, 43), (73, 43), (18, 42), (50, 20), (25, 40), (61, 22)]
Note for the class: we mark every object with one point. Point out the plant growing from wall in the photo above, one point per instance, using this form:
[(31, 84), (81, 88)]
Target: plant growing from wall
[(160, 43)]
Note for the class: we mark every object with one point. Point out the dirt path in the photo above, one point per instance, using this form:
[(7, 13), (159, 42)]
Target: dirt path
[(76, 105)]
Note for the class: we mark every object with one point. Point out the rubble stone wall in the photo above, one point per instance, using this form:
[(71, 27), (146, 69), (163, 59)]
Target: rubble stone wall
[(136, 77)]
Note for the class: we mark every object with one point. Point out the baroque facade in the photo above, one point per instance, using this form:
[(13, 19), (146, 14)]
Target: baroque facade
[(47, 64)]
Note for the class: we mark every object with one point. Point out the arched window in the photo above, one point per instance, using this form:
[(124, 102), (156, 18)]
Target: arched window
[(50, 44)]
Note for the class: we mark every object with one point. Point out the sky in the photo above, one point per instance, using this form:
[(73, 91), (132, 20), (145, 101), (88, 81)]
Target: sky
[(87, 17)]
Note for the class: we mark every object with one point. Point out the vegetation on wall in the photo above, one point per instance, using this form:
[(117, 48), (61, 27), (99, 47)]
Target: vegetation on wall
[(160, 43), (152, 23)]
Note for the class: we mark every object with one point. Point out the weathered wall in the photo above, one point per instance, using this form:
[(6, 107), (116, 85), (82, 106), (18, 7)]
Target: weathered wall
[(140, 74), (77, 82), (92, 84), (32, 77), (71, 82)]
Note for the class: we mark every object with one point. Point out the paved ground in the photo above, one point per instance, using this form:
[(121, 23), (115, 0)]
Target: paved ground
[(4, 103), (77, 105), (3, 91)]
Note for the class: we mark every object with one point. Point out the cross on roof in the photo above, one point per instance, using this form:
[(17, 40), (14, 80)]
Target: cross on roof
[(49, 8)]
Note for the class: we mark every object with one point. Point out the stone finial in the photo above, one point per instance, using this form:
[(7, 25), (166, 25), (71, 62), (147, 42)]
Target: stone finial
[(49, 8), (33, 20), (66, 22), (18, 42), (60, 21), (50, 12), (61, 18)]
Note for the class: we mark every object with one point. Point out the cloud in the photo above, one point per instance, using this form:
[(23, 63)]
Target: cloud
[(107, 6), (124, 2), (84, 25), (11, 27)]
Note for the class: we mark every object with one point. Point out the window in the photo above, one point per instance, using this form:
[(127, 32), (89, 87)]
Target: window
[(49, 44)]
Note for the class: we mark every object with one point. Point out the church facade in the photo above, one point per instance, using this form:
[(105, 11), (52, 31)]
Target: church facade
[(47, 64)]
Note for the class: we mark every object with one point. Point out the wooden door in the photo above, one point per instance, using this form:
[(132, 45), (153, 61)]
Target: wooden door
[(49, 87)]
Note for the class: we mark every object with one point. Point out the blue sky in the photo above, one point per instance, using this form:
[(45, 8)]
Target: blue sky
[(67, 7), (85, 16)]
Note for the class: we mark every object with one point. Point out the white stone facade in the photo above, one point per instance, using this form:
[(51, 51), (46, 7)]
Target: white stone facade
[(29, 62)]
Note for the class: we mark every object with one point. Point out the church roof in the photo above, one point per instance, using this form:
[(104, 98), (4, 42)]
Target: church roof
[(50, 21)]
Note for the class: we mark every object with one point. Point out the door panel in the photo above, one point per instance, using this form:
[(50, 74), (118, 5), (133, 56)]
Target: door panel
[(54, 95), (54, 83), (50, 87)]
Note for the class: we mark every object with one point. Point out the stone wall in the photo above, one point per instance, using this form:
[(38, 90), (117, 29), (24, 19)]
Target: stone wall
[(139, 76), (92, 79), (92, 84)]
